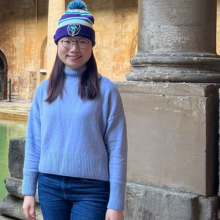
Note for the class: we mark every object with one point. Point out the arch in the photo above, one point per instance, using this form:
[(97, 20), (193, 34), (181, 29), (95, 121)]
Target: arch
[(43, 60), (43, 55), (4, 78)]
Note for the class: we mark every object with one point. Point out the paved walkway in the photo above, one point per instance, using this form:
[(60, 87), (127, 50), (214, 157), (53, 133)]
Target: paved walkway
[(15, 110)]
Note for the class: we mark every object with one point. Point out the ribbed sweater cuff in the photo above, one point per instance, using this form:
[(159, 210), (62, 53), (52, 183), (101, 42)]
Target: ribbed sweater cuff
[(29, 184), (117, 196)]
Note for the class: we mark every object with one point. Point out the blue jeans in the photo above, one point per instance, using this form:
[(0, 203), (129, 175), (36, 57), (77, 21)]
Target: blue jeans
[(69, 198)]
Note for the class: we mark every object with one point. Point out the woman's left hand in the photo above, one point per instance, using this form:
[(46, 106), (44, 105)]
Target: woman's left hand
[(114, 215)]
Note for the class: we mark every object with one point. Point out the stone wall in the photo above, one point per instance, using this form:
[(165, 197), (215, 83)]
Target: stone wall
[(22, 35), (116, 26), (172, 135), (23, 41), (173, 150)]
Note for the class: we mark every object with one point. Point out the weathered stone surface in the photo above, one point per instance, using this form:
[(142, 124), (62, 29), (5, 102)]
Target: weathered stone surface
[(208, 207), (157, 72), (15, 111), (54, 12), (149, 203), (117, 44), (177, 26), (16, 157), (14, 187), (173, 89), (172, 138), (12, 206), (142, 203), (3, 217), (9, 115), (173, 44), (27, 4)]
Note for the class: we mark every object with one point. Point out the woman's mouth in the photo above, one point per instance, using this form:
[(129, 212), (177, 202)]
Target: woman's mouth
[(73, 58)]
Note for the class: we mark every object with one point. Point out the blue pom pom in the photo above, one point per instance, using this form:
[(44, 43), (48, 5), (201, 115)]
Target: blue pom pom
[(77, 4)]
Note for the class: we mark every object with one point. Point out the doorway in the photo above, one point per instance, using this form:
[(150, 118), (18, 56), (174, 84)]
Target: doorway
[(3, 76)]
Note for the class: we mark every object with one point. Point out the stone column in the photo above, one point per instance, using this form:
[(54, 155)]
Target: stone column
[(171, 105), (176, 42), (55, 10)]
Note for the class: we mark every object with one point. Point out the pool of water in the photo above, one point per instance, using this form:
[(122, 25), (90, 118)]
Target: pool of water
[(8, 129)]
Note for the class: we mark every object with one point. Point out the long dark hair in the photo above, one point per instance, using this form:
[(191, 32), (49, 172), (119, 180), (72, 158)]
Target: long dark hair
[(88, 87)]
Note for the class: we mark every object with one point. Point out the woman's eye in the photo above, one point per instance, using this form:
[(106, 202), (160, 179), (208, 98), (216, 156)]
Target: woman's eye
[(66, 41), (83, 42)]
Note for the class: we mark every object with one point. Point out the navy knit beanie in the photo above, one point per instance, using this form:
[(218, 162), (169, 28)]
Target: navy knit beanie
[(76, 21)]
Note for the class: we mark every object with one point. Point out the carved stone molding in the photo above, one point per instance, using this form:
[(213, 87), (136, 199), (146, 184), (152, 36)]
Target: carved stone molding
[(175, 67), (176, 42)]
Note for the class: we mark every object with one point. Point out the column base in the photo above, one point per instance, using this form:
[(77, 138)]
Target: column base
[(175, 67)]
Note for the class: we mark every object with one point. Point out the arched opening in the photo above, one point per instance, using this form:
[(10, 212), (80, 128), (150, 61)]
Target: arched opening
[(3, 76), (43, 60)]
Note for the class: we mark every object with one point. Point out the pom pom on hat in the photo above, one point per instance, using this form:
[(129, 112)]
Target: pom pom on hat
[(76, 21), (77, 5)]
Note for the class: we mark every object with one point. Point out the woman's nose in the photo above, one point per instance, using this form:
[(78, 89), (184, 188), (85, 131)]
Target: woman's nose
[(75, 46)]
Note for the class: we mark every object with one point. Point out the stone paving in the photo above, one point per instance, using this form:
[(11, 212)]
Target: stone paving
[(15, 110)]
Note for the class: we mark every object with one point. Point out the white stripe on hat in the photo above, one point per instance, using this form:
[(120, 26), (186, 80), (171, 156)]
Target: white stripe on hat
[(76, 20), (78, 11)]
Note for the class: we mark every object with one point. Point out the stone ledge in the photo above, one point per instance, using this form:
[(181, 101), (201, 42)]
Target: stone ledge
[(12, 207), (15, 110), (166, 88), (142, 203), (146, 202), (13, 116), (14, 187)]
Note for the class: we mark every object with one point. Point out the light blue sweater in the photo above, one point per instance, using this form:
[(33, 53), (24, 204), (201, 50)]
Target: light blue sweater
[(77, 137)]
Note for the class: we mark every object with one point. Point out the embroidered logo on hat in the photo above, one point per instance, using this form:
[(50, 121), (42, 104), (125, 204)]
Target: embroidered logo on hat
[(73, 29)]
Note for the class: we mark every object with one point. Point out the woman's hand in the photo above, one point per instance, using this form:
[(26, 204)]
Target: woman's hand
[(114, 215), (29, 207)]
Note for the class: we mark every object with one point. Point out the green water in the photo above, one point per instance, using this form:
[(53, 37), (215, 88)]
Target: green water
[(8, 129)]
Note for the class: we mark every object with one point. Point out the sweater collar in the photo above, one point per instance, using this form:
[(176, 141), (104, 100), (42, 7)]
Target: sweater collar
[(75, 73)]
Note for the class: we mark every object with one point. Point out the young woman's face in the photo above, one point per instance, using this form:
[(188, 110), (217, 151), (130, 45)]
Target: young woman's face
[(74, 52)]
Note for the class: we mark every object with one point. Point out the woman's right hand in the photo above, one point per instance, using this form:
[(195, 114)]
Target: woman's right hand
[(29, 207)]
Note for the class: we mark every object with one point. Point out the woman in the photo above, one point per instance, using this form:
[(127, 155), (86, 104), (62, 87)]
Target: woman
[(76, 144)]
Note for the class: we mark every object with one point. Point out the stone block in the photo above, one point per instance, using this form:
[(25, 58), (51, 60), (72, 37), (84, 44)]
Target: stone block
[(12, 207), (208, 207), (14, 187), (16, 157), (150, 203), (172, 135)]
